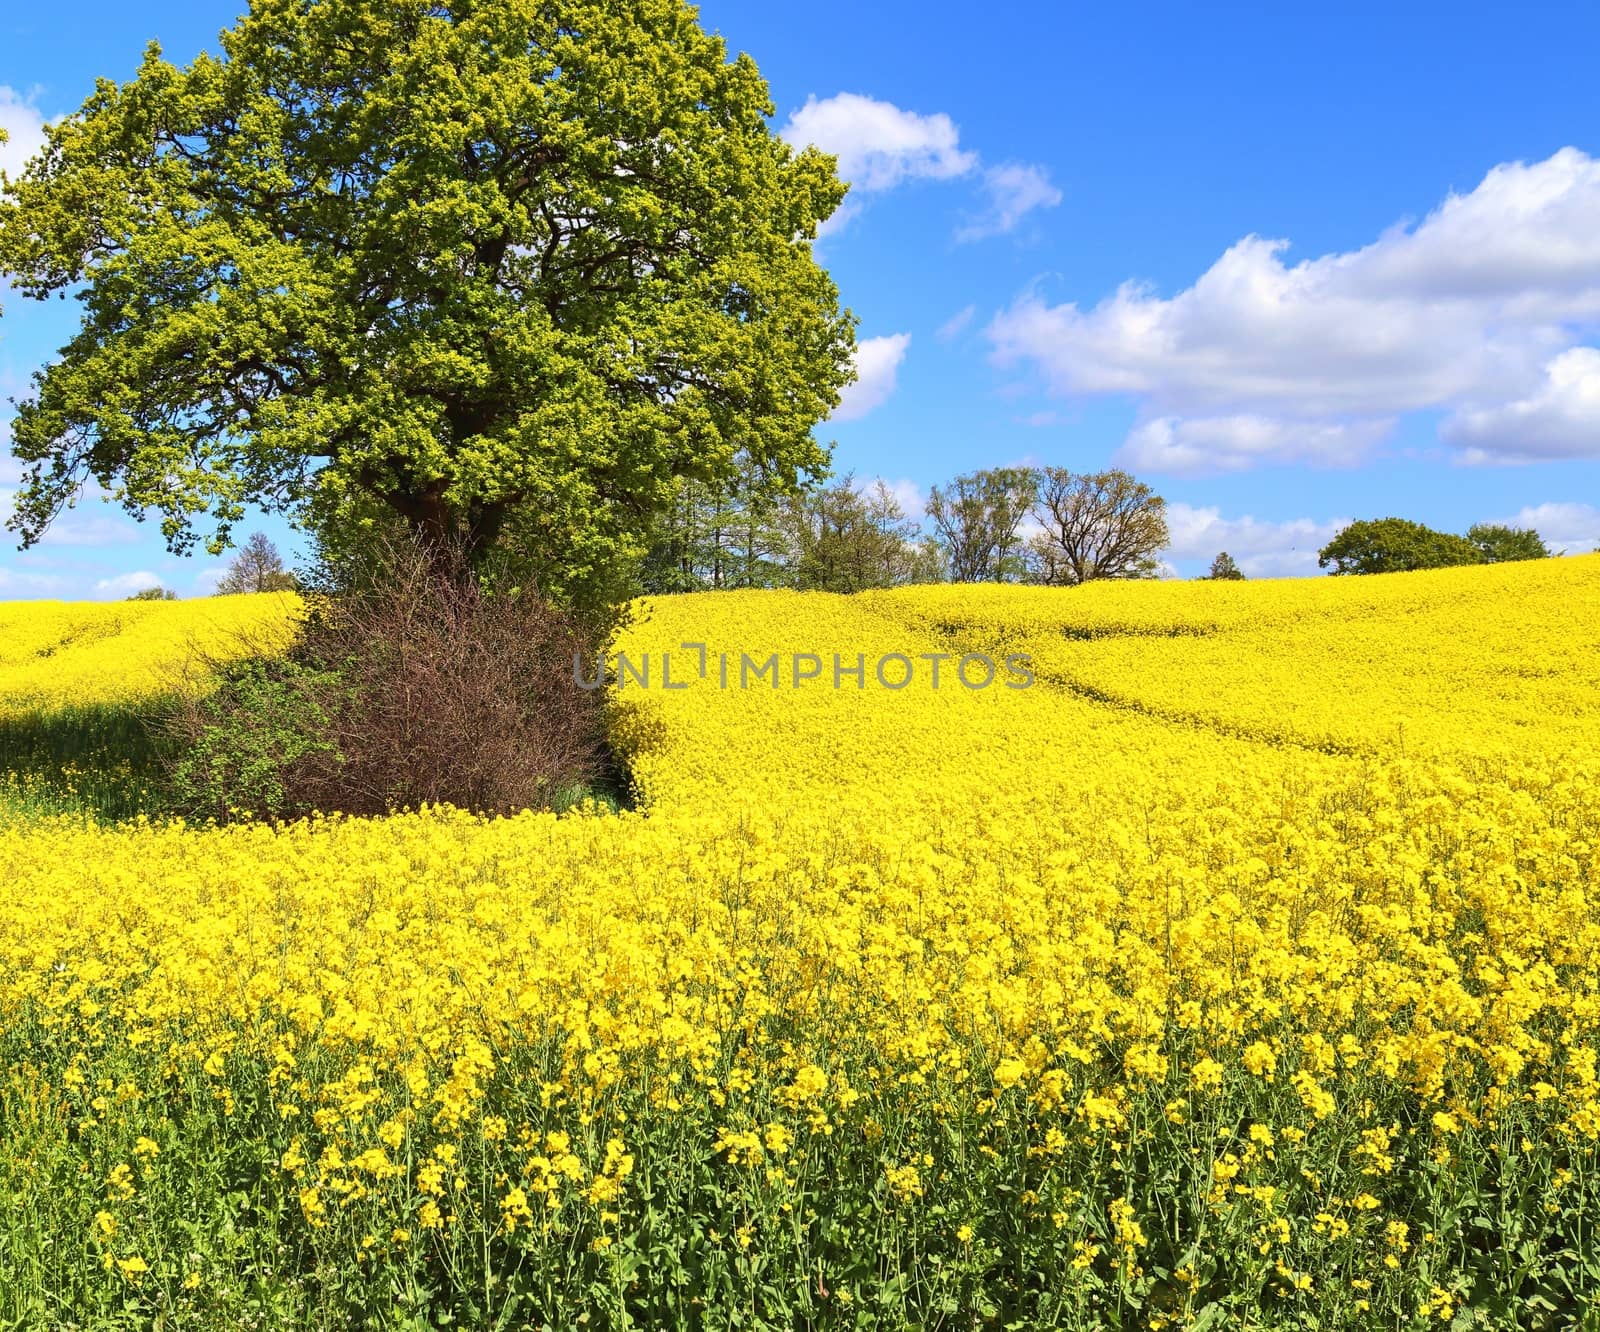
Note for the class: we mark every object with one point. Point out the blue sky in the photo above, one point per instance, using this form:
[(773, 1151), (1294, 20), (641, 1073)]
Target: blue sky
[(1290, 265)]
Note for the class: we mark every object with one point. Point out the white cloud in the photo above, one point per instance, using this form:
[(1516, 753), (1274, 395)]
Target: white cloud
[(1559, 419), (1187, 446), (207, 579), (1463, 311), (77, 528), (877, 368), (1567, 525), (1262, 549), (953, 326), (25, 127), (879, 145), (1014, 190), (911, 498), (18, 584), (125, 585)]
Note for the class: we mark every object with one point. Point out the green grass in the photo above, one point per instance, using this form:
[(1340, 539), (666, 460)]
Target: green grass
[(102, 761)]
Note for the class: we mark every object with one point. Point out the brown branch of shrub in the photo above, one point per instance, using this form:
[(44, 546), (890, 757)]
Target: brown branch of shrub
[(417, 687)]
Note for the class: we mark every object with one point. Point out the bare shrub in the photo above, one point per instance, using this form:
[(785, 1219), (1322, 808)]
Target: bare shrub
[(410, 685)]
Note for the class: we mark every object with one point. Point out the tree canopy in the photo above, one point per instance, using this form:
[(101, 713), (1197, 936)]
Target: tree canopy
[(1394, 545), (977, 518), (497, 267), (834, 537), (846, 538), (1498, 543)]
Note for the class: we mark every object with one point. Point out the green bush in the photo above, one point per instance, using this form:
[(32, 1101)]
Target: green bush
[(409, 685), (244, 743)]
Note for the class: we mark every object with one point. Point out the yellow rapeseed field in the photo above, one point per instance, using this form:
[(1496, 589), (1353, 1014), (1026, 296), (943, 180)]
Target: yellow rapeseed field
[(60, 654), (78, 680), (1230, 959)]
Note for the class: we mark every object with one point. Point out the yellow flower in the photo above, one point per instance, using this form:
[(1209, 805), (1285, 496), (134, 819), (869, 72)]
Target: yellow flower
[(905, 1182), (998, 919), (514, 1209), (809, 1083), (1259, 1059), (1125, 1230), (119, 1183), (312, 1206), (1009, 1072)]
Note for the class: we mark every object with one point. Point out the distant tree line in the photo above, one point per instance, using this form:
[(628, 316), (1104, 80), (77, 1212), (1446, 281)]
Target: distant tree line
[(1046, 526), (1007, 524), (1397, 545), (838, 537)]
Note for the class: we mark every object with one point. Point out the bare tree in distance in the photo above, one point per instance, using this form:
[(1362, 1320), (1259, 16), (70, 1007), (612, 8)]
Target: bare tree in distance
[(977, 518), (256, 568), (1096, 525)]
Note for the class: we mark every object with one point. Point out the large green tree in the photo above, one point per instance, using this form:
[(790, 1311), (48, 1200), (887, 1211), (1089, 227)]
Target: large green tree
[(506, 268), (1394, 545), (1498, 543)]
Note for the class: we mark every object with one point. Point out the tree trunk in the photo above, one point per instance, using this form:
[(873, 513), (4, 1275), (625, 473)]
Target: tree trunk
[(455, 544)]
